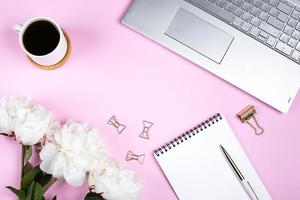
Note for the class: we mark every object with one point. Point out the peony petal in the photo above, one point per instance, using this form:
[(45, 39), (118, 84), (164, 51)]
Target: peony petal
[(51, 160), (31, 124), (74, 176), (49, 151), (116, 183)]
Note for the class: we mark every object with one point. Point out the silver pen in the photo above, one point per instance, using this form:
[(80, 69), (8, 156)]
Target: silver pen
[(246, 185)]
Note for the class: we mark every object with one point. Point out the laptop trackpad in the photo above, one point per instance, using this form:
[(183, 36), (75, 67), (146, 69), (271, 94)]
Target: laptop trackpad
[(199, 35)]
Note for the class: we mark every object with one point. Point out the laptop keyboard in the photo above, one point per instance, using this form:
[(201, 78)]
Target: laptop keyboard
[(275, 23)]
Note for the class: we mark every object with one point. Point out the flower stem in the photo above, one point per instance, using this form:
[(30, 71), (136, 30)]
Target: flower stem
[(49, 184), (22, 163)]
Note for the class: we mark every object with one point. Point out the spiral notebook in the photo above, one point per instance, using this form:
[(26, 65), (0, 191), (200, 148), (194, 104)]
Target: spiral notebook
[(196, 168)]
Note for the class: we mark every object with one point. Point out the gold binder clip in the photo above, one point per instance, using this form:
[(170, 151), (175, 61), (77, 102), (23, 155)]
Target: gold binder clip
[(114, 122), (246, 115), (131, 156), (145, 132)]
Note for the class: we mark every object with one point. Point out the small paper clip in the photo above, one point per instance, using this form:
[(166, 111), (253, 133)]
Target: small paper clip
[(145, 132), (246, 115), (114, 122), (131, 156)]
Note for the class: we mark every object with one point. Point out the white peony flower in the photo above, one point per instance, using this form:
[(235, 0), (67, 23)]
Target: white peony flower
[(72, 152), (13, 110), (54, 128), (114, 182), (27, 122)]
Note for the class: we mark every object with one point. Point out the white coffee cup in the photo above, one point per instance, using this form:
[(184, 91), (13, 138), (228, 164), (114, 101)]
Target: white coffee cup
[(50, 58)]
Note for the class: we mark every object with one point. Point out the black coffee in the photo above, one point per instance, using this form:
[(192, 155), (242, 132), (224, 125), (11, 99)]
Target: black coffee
[(41, 38)]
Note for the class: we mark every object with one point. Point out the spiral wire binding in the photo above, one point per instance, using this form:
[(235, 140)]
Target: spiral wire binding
[(188, 134)]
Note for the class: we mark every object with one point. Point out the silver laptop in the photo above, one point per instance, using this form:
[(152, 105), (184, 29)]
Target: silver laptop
[(252, 44)]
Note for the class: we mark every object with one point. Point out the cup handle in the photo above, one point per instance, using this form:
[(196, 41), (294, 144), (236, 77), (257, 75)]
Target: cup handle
[(17, 27)]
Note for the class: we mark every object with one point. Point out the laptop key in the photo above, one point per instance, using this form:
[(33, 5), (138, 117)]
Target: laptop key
[(296, 55), (238, 12), (289, 4), (298, 47), (238, 3), (263, 16), (288, 30), (237, 22), (265, 7), (274, 3), (298, 26), (283, 17), (296, 35), (254, 31), (229, 7), (275, 22), (285, 8), (246, 16), (213, 9), (257, 3), (292, 23), (263, 39), (271, 41), (246, 6), (221, 3), (255, 11), (292, 42), (269, 29), (255, 21), (287, 50), (274, 12), (262, 36), (295, 15), (246, 27), (284, 38)]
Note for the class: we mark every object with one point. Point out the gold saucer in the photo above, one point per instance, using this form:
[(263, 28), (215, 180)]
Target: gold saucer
[(60, 63)]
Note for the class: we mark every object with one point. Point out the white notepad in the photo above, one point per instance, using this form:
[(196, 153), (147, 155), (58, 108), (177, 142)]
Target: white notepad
[(197, 169)]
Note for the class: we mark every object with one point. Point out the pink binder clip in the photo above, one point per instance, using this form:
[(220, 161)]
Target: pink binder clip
[(131, 156), (147, 126), (114, 122), (247, 115)]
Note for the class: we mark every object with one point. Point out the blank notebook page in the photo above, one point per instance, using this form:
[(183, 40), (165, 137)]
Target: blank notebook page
[(197, 169)]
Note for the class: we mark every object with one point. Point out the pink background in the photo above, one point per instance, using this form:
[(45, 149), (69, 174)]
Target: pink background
[(115, 71)]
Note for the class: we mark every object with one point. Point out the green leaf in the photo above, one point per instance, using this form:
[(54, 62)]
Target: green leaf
[(43, 179), (38, 192), (29, 177), (27, 167), (27, 153), (54, 198), (93, 196), (30, 191), (19, 193)]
